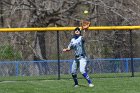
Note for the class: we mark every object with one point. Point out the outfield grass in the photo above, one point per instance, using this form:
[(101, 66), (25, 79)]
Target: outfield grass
[(102, 85), (66, 76)]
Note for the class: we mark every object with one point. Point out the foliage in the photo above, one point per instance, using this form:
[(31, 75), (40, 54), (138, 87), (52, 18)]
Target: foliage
[(8, 53)]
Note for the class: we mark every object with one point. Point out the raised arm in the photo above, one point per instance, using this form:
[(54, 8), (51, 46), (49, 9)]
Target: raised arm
[(84, 33), (85, 25)]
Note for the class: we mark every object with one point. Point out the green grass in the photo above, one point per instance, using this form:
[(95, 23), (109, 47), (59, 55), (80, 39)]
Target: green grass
[(67, 76), (102, 85)]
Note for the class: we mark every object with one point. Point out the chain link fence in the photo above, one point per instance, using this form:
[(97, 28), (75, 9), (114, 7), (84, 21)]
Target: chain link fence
[(38, 55), (97, 68)]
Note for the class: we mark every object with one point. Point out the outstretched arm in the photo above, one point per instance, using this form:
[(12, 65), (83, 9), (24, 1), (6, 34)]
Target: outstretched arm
[(68, 48)]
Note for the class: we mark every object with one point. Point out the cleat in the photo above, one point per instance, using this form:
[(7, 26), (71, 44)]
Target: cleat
[(91, 85), (76, 86)]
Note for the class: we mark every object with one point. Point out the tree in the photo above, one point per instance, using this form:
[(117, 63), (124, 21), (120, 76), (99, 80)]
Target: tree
[(43, 13)]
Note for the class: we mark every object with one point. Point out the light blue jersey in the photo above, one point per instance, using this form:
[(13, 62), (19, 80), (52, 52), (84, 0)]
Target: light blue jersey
[(78, 46)]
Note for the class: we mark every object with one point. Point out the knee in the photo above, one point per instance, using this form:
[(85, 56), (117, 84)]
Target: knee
[(82, 70), (73, 71), (74, 75)]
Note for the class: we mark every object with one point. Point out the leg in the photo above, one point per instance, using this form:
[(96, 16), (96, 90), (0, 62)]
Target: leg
[(83, 63), (74, 72)]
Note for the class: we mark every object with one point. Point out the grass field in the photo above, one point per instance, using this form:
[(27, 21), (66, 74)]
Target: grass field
[(102, 85)]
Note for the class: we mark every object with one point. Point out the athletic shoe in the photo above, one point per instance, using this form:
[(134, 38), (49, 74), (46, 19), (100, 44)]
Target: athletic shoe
[(91, 85), (76, 86)]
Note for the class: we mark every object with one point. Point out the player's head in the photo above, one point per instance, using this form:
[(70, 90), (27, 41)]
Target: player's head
[(77, 31)]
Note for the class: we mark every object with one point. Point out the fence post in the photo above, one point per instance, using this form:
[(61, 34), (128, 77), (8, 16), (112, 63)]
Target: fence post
[(131, 53), (70, 66), (126, 65), (17, 68), (58, 55)]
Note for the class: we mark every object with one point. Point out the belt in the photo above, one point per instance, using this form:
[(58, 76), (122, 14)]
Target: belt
[(79, 55)]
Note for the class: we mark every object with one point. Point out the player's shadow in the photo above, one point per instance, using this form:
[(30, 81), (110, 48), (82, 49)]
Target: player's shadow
[(82, 85)]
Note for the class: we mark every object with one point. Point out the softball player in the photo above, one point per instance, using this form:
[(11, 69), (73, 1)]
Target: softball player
[(77, 44)]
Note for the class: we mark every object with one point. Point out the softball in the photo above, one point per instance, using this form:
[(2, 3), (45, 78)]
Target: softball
[(85, 12)]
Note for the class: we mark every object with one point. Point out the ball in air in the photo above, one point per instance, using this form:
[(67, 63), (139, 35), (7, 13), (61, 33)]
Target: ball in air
[(85, 12)]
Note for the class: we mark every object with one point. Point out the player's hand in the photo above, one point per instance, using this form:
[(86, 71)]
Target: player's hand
[(66, 49)]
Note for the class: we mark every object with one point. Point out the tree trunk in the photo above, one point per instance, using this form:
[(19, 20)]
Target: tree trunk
[(1, 12), (40, 48)]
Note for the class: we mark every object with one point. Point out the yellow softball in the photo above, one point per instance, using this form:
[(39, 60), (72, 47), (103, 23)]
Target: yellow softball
[(85, 12)]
